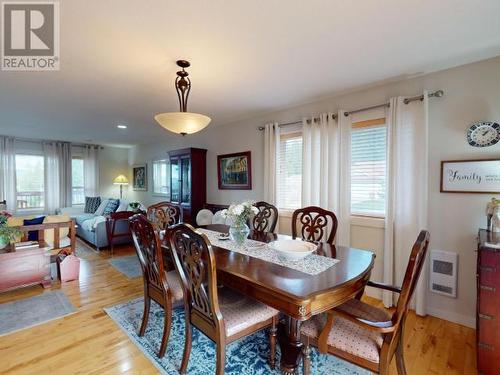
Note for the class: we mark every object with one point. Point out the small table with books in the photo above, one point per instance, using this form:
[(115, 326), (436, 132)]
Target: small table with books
[(23, 264)]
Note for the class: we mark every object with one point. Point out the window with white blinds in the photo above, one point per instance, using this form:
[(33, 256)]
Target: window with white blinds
[(161, 177), (368, 167), (290, 171)]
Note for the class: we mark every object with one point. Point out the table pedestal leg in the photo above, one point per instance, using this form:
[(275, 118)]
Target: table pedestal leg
[(291, 346)]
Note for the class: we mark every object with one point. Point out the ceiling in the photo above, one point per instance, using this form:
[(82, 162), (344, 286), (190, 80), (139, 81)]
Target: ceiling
[(248, 57)]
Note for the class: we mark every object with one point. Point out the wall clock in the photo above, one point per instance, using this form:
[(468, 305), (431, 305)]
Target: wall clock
[(483, 134)]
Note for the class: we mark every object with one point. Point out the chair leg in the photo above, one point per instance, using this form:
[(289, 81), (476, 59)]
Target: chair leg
[(400, 360), (272, 340), (306, 359), (187, 347), (145, 315), (221, 357), (166, 330)]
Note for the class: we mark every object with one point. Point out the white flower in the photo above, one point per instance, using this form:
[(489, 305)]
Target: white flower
[(255, 210), (238, 209), (223, 213)]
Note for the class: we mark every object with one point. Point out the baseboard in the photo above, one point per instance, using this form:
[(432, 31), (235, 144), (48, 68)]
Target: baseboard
[(465, 320)]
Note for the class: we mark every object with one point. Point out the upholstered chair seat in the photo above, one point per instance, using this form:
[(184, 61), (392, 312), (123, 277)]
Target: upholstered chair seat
[(347, 337)]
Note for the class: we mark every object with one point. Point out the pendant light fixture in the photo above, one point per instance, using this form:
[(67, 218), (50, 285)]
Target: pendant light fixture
[(182, 122)]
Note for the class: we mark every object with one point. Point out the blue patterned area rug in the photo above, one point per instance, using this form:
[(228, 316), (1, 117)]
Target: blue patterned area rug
[(128, 265), (247, 356)]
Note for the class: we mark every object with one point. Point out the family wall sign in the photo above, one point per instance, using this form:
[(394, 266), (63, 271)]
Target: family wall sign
[(470, 176)]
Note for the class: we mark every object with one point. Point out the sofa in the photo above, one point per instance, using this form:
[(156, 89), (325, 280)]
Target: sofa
[(91, 227)]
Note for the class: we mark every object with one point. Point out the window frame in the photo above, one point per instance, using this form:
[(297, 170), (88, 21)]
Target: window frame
[(79, 157), (292, 134), (153, 192), (359, 216), (24, 152)]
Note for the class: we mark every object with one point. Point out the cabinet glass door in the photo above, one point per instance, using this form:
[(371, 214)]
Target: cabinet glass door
[(175, 183), (186, 180)]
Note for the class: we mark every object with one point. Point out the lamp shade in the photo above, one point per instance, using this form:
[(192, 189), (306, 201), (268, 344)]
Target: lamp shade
[(182, 122), (120, 180)]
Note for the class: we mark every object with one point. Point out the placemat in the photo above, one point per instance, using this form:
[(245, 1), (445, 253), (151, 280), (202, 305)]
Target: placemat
[(312, 264)]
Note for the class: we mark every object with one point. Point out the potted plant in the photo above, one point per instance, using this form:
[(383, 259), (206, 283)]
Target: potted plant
[(238, 214), (7, 234)]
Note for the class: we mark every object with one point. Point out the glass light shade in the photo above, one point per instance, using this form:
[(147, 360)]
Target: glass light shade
[(182, 122), (120, 180)]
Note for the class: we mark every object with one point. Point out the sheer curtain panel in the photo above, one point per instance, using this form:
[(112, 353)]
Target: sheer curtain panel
[(271, 160), (8, 173), (407, 191), (63, 150), (51, 170), (91, 170)]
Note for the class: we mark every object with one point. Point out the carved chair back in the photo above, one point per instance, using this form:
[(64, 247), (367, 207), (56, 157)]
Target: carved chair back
[(412, 274), (266, 219), (164, 214), (314, 224), (195, 262), (148, 248)]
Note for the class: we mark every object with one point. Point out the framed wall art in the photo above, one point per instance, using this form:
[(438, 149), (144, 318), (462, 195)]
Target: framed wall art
[(235, 171), (471, 176), (140, 177)]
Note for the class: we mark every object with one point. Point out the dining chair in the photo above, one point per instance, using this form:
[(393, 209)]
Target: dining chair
[(364, 334), (221, 314), (266, 219), (316, 224), (164, 214), (161, 286)]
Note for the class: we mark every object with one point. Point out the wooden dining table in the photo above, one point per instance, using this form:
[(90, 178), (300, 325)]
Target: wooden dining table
[(296, 294)]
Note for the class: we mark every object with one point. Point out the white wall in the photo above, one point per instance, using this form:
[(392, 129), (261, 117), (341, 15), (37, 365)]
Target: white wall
[(472, 92), (113, 161)]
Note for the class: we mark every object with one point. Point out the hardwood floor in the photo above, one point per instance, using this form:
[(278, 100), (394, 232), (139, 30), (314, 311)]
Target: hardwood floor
[(89, 342)]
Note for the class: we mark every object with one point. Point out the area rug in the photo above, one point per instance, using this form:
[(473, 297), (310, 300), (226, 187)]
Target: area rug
[(128, 265), (33, 311), (247, 356)]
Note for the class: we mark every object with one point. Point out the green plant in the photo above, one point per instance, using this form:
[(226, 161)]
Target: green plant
[(7, 234)]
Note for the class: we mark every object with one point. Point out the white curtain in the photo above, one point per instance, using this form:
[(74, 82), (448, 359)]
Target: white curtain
[(321, 170), (8, 173), (344, 230), (91, 170), (271, 159), (63, 150), (51, 178), (407, 191)]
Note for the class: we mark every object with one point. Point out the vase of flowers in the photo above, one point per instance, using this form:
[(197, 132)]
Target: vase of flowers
[(7, 234), (238, 215)]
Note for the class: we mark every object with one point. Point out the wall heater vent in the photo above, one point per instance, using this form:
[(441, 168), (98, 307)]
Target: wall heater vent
[(443, 274)]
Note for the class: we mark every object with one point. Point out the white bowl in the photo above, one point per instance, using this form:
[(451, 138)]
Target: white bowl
[(293, 249)]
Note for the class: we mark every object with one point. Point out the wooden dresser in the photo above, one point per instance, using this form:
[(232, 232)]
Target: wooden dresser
[(488, 304)]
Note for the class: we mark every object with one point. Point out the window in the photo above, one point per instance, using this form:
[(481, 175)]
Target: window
[(368, 167), (161, 177), (77, 187), (290, 171), (29, 181)]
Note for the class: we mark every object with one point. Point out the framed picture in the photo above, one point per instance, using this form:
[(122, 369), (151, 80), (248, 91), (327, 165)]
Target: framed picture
[(235, 171), (140, 176), (470, 176)]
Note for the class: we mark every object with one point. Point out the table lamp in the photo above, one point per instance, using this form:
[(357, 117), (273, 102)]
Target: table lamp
[(121, 180)]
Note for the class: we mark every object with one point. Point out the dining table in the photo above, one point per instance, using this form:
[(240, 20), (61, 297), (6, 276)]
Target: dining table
[(297, 295)]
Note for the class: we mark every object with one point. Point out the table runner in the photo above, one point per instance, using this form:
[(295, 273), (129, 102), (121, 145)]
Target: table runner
[(312, 264)]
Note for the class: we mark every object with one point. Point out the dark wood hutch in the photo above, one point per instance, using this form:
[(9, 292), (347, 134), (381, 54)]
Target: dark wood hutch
[(188, 180), (488, 303)]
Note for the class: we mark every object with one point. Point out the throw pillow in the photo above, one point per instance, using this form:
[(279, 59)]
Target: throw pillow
[(102, 206), (33, 235), (91, 204), (111, 206)]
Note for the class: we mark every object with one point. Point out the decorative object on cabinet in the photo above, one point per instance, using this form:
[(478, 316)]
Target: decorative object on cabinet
[(234, 171), (489, 211), (483, 134), (488, 303), (471, 176), (183, 122), (140, 177), (188, 181), (495, 219)]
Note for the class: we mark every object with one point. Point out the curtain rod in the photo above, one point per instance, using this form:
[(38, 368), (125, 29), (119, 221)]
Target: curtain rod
[(436, 94), (34, 140)]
